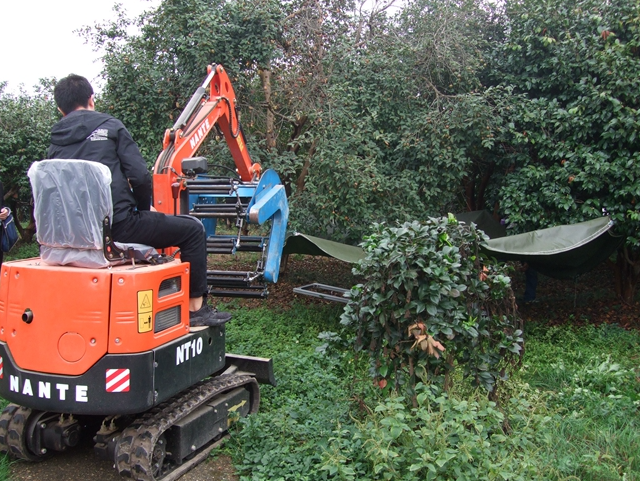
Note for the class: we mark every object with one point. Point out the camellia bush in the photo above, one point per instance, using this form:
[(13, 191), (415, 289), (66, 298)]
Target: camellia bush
[(433, 302), (574, 67)]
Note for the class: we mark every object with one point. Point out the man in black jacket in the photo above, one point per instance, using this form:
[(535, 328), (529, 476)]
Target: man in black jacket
[(86, 134)]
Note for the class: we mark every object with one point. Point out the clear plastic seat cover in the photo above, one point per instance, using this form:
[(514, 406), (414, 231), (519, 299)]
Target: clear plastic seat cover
[(71, 200)]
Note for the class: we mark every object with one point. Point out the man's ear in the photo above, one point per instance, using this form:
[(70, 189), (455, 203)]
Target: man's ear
[(91, 105), (60, 110)]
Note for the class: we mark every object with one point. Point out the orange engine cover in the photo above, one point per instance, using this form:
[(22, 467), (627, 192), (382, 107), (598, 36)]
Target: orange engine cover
[(62, 320)]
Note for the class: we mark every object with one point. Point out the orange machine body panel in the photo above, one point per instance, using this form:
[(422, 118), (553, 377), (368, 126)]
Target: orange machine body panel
[(62, 320), (137, 302)]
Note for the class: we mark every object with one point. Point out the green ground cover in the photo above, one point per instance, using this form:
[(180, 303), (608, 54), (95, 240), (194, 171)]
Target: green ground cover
[(569, 413)]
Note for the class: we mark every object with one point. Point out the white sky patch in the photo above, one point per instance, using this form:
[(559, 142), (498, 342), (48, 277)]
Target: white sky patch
[(38, 39)]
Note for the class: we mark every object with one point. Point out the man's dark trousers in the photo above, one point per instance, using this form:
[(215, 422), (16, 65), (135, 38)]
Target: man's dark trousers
[(160, 231)]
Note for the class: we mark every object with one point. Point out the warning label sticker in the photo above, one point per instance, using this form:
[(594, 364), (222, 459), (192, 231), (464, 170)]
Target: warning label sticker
[(145, 311)]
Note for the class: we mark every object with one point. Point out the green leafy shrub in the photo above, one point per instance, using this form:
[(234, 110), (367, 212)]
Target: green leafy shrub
[(433, 301), (443, 437)]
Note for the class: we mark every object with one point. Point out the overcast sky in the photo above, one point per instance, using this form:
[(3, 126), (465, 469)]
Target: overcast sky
[(38, 39)]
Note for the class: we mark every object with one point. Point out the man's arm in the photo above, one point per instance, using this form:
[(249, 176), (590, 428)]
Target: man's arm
[(134, 168)]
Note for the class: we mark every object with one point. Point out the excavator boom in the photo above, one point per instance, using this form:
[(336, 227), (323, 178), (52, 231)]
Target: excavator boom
[(214, 102), (182, 185)]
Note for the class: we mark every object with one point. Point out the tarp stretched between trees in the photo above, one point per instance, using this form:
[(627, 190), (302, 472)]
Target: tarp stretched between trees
[(315, 246), (561, 252), (485, 221)]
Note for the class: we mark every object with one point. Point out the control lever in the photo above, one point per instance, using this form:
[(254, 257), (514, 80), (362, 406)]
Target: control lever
[(175, 191)]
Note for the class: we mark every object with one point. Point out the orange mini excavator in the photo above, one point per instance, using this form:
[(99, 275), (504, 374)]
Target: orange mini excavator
[(95, 340)]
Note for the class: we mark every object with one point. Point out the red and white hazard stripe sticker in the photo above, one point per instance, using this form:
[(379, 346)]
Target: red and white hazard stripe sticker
[(118, 380), (1, 368)]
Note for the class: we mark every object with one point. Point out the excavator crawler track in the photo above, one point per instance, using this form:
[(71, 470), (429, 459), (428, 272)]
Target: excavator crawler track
[(15, 432), (141, 451)]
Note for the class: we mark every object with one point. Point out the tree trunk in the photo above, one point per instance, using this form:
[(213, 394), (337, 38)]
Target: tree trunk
[(298, 128), (475, 185), (270, 137), (469, 193), (26, 233), (301, 182), (627, 274), (482, 188)]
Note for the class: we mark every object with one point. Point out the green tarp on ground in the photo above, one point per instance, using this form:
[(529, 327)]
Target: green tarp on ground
[(561, 252), (315, 246)]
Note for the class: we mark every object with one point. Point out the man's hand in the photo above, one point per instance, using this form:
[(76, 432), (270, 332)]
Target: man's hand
[(4, 213)]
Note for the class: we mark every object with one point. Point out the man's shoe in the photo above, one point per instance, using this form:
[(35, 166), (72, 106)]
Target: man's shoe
[(205, 316)]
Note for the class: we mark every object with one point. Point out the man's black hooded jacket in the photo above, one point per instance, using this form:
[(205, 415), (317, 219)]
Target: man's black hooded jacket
[(90, 135)]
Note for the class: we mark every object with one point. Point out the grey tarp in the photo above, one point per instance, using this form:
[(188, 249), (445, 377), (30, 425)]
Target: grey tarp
[(315, 246), (561, 252)]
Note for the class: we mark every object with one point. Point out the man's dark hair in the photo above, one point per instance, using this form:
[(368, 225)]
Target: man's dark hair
[(72, 92)]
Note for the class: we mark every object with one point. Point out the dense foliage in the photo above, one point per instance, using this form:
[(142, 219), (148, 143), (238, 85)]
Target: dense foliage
[(432, 302), (25, 121), (443, 437), (574, 129)]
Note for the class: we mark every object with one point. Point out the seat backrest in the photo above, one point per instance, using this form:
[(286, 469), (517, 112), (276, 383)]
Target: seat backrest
[(72, 199)]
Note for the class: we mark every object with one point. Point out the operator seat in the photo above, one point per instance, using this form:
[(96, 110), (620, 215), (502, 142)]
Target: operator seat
[(73, 212)]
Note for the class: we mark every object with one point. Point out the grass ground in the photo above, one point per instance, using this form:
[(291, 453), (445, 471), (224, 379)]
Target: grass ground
[(569, 413), (572, 409)]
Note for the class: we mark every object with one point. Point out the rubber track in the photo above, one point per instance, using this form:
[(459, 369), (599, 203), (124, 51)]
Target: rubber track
[(5, 418), (135, 449), (13, 424)]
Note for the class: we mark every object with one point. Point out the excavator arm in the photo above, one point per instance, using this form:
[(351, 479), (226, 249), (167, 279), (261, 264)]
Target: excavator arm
[(214, 102), (182, 185)]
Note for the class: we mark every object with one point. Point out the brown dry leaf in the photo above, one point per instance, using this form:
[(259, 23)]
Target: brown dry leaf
[(483, 274), (415, 333), (434, 347), (416, 329), (420, 339)]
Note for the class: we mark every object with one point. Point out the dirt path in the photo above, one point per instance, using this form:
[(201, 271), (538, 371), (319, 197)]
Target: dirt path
[(82, 464)]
